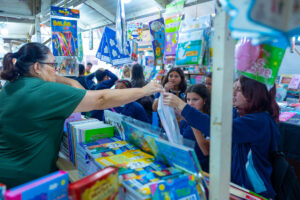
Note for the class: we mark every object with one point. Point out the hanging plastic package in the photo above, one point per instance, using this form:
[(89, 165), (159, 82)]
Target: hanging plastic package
[(157, 30), (191, 41), (169, 121), (172, 22), (263, 21), (108, 50), (120, 27), (261, 62), (80, 48)]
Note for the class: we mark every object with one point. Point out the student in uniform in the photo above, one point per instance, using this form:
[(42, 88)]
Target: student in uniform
[(105, 79), (81, 78), (254, 133), (174, 82), (34, 105), (198, 97), (133, 109)]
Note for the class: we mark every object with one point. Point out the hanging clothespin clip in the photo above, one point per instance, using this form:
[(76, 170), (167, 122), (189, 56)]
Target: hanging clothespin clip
[(65, 4)]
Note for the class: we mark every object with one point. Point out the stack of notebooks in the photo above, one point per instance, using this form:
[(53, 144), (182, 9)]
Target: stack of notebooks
[(88, 152), (86, 131)]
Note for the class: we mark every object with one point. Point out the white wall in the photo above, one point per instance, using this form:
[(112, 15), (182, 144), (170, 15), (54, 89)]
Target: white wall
[(290, 63)]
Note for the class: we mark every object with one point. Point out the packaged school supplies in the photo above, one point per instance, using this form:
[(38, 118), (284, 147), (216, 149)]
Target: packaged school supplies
[(109, 51), (191, 41), (157, 30), (263, 21), (261, 62), (103, 185), (53, 186)]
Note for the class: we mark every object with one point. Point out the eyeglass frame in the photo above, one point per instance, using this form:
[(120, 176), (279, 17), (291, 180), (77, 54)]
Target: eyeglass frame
[(50, 64)]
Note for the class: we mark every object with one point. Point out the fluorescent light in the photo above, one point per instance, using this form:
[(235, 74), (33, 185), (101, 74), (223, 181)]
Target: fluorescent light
[(126, 1)]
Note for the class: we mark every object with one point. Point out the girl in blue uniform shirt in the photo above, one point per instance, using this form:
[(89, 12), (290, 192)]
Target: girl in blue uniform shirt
[(254, 133), (198, 97), (173, 82)]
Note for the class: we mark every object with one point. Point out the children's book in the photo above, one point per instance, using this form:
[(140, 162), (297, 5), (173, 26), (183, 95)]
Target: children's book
[(53, 186), (184, 187), (103, 185)]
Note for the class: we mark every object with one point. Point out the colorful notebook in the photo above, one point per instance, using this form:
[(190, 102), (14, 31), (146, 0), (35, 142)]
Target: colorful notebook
[(53, 186)]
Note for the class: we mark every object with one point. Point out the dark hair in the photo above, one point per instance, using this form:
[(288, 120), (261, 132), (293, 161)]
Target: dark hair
[(203, 92), (125, 82), (209, 75), (182, 85), (89, 64), (81, 69), (259, 98), (27, 55), (137, 76), (99, 74)]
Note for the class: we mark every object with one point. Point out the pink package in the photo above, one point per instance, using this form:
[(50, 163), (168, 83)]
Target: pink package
[(286, 116)]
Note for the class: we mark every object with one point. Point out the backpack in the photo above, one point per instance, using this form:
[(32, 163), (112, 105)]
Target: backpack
[(284, 179)]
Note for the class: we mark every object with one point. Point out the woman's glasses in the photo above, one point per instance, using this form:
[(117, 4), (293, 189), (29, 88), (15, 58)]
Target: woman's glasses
[(53, 65)]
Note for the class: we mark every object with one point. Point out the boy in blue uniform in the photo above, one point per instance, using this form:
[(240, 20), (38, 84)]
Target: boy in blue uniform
[(254, 133), (105, 80)]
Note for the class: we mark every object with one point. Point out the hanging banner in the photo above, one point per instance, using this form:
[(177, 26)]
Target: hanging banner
[(135, 31), (121, 27), (64, 37), (80, 48), (157, 30), (64, 12), (108, 50), (172, 28)]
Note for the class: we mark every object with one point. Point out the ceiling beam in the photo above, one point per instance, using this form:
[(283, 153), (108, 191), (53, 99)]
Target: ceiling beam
[(162, 3), (16, 16), (14, 20), (102, 11)]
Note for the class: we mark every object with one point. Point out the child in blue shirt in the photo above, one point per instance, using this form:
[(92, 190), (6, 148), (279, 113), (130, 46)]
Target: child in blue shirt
[(198, 97), (105, 80), (133, 109), (254, 133)]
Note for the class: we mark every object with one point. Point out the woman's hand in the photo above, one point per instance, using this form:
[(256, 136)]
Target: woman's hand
[(174, 101), (152, 88), (169, 86)]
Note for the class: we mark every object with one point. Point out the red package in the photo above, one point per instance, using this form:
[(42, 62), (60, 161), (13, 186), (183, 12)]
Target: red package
[(103, 184)]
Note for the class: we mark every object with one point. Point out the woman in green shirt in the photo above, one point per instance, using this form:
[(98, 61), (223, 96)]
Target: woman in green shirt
[(34, 105)]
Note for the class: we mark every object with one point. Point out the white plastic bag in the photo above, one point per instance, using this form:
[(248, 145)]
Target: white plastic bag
[(169, 121)]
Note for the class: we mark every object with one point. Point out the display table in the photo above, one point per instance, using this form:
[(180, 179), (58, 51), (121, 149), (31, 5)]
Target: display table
[(65, 165)]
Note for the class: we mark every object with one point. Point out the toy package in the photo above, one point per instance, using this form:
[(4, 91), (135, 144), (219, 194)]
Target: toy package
[(260, 62), (103, 185), (191, 41), (263, 21), (157, 30), (53, 186)]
